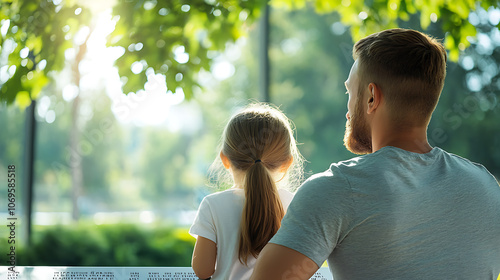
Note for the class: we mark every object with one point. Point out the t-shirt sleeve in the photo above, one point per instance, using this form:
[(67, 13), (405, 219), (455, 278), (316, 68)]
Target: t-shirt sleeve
[(286, 197), (318, 217), (204, 224)]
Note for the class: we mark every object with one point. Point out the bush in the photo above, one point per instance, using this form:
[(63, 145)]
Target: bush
[(106, 245)]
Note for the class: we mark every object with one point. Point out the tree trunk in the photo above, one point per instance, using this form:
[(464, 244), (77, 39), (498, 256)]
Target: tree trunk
[(75, 151), (76, 160), (264, 77)]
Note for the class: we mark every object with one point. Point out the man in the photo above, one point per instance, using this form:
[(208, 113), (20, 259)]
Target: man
[(405, 210)]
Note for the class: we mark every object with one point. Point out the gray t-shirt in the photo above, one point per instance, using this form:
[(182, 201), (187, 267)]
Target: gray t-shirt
[(395, 214)]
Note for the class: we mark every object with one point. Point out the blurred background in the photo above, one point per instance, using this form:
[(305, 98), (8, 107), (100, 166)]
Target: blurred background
[(112, 112)]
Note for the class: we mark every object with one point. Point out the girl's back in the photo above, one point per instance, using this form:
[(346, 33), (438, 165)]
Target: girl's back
[(259, 151), (218, 220)]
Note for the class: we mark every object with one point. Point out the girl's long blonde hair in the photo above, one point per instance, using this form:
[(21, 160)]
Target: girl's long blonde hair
[(258, 141)]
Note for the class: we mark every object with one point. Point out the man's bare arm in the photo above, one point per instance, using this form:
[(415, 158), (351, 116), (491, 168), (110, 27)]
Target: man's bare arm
[(279, 262)]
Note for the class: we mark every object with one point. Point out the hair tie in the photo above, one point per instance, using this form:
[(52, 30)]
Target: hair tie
[(258, 161)]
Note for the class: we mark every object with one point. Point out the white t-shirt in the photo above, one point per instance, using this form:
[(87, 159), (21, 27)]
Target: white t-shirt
[(218, 219)]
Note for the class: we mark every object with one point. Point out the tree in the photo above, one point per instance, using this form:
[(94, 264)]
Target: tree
[(34, 37), (179, 38), (176, 38), (365, 18)]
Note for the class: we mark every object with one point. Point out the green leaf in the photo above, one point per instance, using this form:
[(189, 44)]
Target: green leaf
[(23, 99)]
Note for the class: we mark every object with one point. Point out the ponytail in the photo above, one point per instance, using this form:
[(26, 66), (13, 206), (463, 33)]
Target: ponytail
[(262, 212), (259, 143)]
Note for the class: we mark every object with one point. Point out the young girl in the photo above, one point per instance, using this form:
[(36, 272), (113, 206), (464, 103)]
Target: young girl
[(233, 226)]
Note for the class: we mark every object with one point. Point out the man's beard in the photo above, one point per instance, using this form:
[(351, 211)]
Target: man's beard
[(357, 137)]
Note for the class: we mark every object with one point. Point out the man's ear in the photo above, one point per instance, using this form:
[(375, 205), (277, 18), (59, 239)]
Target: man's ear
[(374, 98), (225, 161)]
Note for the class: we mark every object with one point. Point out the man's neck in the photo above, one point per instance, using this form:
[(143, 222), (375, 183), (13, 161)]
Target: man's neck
[(410, 139)]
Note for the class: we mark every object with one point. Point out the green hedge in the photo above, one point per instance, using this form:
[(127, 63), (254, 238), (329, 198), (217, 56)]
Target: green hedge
[(106, 245)]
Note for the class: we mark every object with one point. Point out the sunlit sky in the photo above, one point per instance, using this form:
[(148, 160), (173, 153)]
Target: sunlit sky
[(155, 105), (152, 106)]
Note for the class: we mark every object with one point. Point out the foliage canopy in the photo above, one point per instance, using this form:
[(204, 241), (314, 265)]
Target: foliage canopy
[(179, 38), (34, 37)]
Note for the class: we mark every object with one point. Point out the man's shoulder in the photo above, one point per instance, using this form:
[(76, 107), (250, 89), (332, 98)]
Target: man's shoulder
[(336, 170), (465, 164), (392, 156), (331, 179), (356, 166), (460, 159)]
